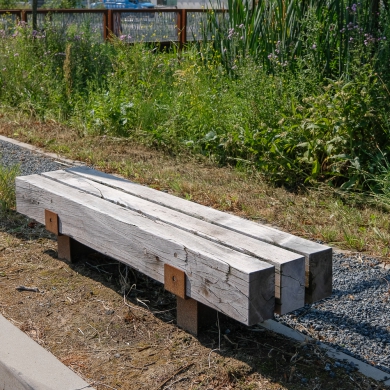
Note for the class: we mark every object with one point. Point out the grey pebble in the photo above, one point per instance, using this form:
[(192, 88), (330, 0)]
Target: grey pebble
[(355, 319), (28, 161)]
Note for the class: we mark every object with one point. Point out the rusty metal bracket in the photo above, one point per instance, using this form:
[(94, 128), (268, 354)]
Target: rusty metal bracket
[(51, 222), (175, 281)]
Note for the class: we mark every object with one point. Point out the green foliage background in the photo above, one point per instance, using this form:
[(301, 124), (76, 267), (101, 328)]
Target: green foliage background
[(298, 90)]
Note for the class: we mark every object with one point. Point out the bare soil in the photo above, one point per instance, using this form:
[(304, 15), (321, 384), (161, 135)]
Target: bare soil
[(116, 328)]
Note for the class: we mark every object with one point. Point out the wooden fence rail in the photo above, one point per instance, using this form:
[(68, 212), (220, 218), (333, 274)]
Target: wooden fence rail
[(169, 24)]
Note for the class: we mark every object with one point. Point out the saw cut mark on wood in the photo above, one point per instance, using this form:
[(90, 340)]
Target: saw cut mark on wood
[(238, 285), (318, 257), (289, 266)]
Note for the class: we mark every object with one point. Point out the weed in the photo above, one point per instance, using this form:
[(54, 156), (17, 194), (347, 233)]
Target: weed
[(329, 234), (354, 241), (7, 187), (307, 100)]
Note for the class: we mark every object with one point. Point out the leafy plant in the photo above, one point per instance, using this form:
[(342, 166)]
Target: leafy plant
[(298, 91)]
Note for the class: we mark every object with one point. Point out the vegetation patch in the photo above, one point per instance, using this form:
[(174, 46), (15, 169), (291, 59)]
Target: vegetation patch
[(296, 90)]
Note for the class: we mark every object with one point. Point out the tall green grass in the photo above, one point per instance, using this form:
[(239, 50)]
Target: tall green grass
[(283, 33), (281, 88)]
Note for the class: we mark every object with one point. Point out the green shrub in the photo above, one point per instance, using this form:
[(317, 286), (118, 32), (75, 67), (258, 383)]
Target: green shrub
[(323, 116)]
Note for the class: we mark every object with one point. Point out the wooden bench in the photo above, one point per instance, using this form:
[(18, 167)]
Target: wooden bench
[(208, 258)]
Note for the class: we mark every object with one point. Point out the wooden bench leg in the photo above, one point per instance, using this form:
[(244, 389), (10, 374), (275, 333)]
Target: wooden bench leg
[(70, 249), (193, 315)]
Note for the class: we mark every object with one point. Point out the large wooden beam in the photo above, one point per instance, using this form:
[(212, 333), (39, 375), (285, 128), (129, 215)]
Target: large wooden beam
[(289, 266), (318, 257), (238, 285)]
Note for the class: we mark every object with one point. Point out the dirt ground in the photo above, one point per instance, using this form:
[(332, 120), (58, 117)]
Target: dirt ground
[(116, 328)]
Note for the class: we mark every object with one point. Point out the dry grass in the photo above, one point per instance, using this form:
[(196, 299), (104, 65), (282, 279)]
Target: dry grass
[(317, 214), (80, 315)]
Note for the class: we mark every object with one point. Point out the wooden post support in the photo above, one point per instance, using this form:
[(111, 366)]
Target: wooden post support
[(105, 25), (64, 250), (23, 16), (110, 24), (69, 249), (192, 315), (182, 27)]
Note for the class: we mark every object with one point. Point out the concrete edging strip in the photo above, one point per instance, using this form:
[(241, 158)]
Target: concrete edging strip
[(25, 365), (364, 368)]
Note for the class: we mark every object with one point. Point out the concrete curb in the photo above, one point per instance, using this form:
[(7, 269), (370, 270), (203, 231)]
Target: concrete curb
[(364, 368), (25, 365)]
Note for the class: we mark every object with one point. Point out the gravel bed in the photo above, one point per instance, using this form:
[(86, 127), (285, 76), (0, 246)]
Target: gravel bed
[(28, 161), (354, 320)]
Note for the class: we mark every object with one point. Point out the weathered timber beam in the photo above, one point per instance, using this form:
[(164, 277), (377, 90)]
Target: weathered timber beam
[(238, 285), (318, 257), (289, 266)]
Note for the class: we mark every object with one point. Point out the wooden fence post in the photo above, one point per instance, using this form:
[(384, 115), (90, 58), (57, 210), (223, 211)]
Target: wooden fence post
[(105, 25), (181, 27), (110, 23), (23, 16)]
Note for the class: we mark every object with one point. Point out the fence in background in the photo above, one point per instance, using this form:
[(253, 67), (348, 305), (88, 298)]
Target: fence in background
[(163, 25)]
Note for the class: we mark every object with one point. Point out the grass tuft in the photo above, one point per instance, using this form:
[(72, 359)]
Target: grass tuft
[(7, 187)]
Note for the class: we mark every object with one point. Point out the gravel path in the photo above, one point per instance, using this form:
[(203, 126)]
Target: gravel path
[(355, 319), (29, 162)]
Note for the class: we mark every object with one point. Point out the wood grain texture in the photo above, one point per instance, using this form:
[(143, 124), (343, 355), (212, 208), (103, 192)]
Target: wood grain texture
[(231, 282), (318, 257), (290, 283)]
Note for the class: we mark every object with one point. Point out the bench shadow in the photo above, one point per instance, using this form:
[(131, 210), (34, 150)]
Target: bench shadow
[(22, 227), (248, 351)]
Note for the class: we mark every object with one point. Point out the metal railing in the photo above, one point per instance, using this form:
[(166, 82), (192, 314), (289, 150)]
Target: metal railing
[(163, 25)]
